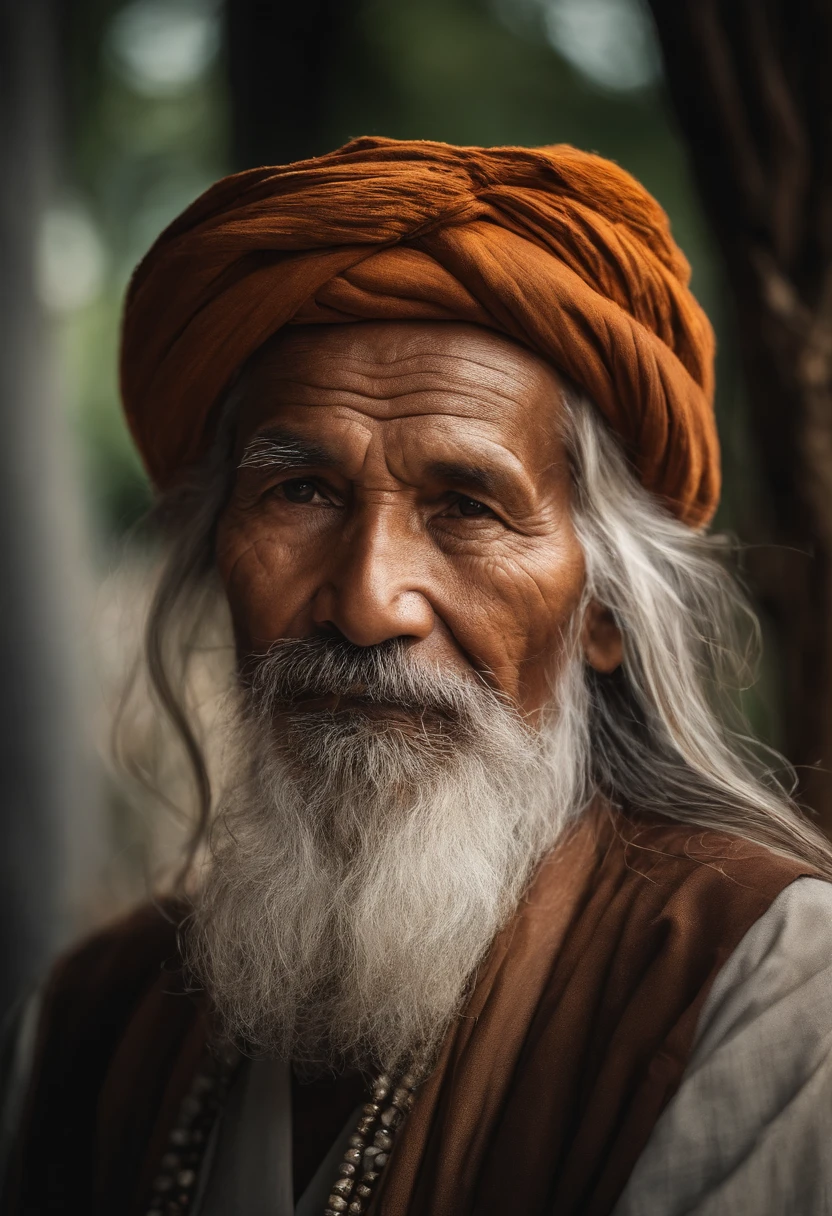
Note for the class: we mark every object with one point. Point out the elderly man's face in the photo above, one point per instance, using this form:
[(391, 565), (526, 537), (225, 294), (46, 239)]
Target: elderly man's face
[(408, 480)]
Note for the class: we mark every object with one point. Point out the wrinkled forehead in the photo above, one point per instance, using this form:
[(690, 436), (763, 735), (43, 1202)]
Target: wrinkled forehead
[(453, 373)]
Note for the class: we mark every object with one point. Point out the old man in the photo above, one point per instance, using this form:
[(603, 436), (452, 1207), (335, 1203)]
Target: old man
[(494, 908)]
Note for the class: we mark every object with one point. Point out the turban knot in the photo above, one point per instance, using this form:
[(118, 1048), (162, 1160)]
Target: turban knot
[(559, 249)]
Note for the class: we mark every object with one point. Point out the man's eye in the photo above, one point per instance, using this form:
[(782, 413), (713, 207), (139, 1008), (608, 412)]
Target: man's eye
[(298, 490), (472, 507)]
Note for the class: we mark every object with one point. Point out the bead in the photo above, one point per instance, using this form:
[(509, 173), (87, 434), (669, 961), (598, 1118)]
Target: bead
[(370, 1155), (163, 1183), (180, 1135), (379, 1118), (170, 1161), (186, 1178)]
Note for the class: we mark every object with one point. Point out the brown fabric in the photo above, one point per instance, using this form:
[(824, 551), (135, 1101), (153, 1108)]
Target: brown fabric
[(581, 1023), (561, 250), (574, 1040), (96, 996), (120, 1041)]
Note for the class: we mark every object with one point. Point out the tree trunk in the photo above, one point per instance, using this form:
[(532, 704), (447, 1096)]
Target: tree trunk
[(281, 60), (751, 84)]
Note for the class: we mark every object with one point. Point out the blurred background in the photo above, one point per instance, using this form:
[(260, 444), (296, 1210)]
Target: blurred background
[(116, 115)]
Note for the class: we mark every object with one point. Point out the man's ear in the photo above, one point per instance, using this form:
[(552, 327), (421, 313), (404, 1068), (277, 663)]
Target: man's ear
[(601, 639)]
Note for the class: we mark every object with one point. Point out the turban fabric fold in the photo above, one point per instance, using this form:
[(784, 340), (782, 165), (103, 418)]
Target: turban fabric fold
[(559, 249)]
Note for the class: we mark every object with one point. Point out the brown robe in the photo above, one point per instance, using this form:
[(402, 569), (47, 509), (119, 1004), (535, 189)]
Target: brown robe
[(573, 1041)]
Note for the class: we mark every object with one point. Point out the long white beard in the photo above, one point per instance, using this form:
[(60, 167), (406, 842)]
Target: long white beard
[(361, 869)]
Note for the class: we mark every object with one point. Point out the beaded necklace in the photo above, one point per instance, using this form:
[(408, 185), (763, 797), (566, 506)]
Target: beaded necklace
[(363, 1162), (366, 1155), (174, 1187)]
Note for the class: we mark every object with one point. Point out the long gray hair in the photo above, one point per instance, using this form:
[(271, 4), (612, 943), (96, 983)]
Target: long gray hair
[(667, 731)]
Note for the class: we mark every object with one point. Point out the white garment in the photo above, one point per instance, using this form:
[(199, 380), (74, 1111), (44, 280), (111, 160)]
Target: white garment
[(248, 1164), (750, 1127)]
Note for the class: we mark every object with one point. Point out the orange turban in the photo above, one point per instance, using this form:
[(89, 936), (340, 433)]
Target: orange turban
[(561, 250)]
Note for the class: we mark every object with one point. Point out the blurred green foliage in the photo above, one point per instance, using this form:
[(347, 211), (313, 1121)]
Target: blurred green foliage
[(146, 132)]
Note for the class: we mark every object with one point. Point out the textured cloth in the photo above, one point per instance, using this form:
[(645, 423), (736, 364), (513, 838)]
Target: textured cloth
[(549, 1086), (581, 1024), (561, 250), (750, 1127)]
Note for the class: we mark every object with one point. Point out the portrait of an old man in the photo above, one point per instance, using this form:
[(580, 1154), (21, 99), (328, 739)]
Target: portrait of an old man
[(493, 905)]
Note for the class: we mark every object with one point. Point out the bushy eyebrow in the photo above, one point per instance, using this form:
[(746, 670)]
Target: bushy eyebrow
[(281, 449), (468, 476)]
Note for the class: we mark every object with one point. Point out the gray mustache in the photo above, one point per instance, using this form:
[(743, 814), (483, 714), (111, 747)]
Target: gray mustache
[(297, 669)]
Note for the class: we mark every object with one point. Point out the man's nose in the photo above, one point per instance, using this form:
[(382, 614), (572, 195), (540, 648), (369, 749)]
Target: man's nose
[(373, 592)]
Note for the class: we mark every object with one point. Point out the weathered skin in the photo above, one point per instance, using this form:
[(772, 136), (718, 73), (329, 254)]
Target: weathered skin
[(442, 518)]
